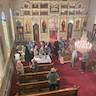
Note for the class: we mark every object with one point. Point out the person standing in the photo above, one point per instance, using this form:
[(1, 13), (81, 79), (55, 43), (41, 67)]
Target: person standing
[(17, 56), (34, 65), (30, 45), (31, 54), (56, 49), (36, 51), (53, 79), (27, 55), (84, 60), (19, 67), (61, 46), (41, 51), (47, 50), (73, 59)]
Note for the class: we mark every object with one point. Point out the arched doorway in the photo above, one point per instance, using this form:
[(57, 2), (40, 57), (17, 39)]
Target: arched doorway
[(69, 30), (36, 32)]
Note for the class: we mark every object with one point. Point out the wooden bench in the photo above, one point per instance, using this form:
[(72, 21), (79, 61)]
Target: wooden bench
[(39, 85), (26, 87), (41, 67), (61, 92), (26, 64), (27, 77)]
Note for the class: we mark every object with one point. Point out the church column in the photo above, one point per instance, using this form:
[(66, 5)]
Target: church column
[(1, 67), (12, 24)]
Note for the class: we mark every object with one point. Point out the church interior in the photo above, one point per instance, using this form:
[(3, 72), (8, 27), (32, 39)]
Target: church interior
[(47, 47)]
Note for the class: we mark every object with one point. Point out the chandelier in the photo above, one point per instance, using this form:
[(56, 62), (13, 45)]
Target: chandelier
[(83, 45)]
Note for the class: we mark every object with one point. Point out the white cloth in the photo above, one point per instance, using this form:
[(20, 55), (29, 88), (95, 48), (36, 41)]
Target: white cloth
[(17, 56), (43, 59)]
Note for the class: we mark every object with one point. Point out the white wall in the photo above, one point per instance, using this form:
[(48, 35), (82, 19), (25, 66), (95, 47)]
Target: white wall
[(91, 15)]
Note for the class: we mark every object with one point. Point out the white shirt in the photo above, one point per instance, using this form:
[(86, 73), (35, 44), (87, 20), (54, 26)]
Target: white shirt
[(17, 56), (74, 54)]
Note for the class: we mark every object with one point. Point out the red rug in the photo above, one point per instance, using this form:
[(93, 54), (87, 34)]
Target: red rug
[(71, 78)]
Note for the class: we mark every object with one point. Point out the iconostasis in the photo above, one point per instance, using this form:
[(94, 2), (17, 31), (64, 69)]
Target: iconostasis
[(32, 13)]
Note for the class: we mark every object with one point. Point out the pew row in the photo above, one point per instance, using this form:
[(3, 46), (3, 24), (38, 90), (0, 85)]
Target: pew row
[(38, 85), (27, 77), (61, 92), (26, 64), (41, 67)]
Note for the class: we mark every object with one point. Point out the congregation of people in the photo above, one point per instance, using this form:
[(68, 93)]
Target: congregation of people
[(58, 49), (27, 54)]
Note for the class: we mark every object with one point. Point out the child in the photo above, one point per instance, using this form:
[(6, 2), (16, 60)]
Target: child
[(34, 65), (53, 78)]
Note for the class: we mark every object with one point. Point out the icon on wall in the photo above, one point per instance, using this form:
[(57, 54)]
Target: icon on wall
[(27, 25), (43, 25), (63, 25), (77, 24)]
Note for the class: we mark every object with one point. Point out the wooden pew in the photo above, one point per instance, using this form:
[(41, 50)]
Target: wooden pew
[(26, 87), (61, 92), (26, 64), (39, 85), (42, 67), (27, 77)]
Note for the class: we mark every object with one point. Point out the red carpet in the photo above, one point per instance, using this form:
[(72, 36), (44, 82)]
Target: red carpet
[(70, 78), (86, 81)]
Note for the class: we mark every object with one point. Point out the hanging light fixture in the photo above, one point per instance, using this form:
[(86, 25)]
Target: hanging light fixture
[(83, 45)]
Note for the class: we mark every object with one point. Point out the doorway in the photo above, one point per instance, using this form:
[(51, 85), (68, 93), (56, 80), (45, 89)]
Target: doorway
[(36, 32)]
